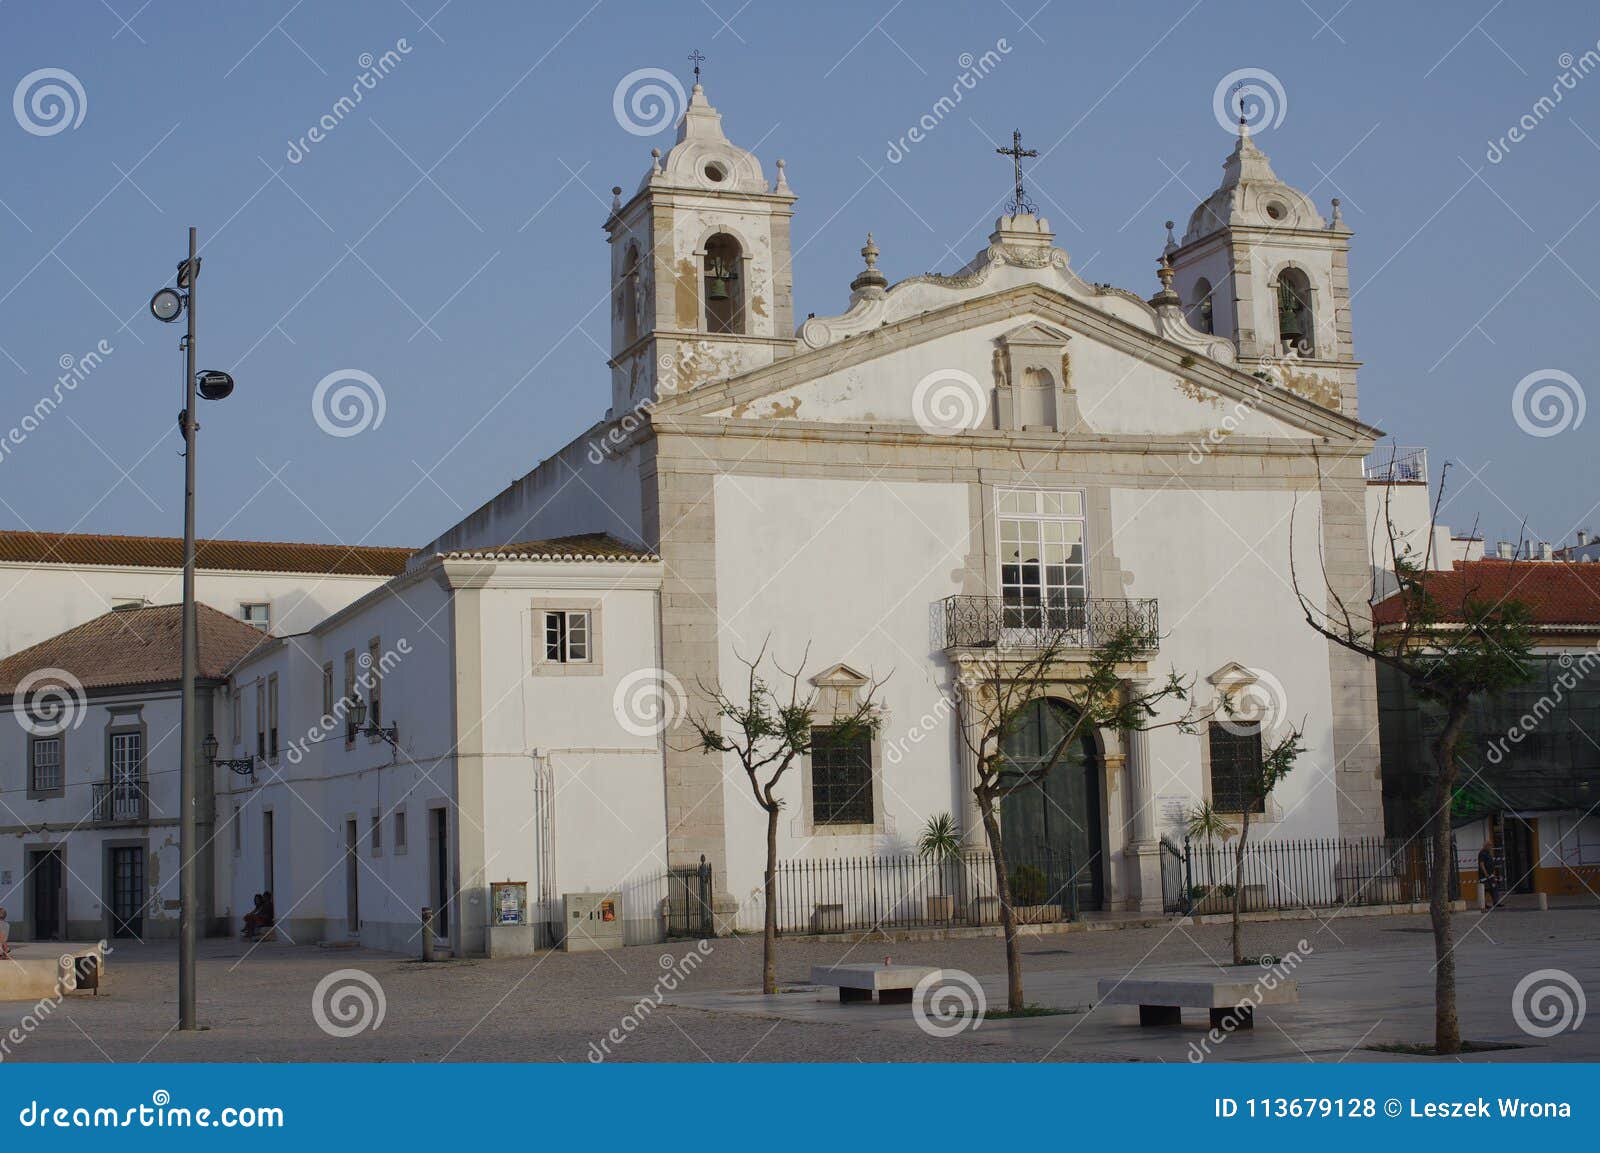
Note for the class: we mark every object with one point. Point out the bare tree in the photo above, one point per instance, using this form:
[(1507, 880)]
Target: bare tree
[(1099, 684), (768, 730), (1450, 654)]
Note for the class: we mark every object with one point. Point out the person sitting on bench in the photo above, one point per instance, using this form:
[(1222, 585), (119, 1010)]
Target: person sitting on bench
[(258, 918)]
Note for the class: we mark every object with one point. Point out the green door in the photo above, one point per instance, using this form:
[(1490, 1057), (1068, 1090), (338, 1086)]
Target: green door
[(1053, 825)]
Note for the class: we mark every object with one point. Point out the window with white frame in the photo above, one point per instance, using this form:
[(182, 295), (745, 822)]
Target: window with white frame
[(566, 636), (1042, 572), (44, 764), (377, 834), (261, 719), (272, 716), (399, 841), (257, 613), (236, 715)]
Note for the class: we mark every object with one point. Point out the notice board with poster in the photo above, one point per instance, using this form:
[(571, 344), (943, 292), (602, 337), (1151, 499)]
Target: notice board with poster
[(508, 902)]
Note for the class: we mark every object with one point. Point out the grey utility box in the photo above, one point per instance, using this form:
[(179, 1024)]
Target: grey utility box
[(593, 921)]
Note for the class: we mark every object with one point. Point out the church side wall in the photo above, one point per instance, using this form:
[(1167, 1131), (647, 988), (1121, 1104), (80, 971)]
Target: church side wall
[(591, 485)]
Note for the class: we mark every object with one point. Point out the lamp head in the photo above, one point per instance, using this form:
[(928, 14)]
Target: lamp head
[(214, 384), (167, 305)]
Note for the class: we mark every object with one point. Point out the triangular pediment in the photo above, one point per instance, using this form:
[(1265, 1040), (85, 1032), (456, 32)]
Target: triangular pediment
[(1114, 371), (841, 676)]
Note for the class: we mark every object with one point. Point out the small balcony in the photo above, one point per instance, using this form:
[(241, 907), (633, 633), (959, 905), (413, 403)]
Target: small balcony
[(120, 802), (974, 622)]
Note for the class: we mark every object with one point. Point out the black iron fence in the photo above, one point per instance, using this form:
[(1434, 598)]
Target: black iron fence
[(1279, 874), (906, 891), (1020, 622), (689, 911)]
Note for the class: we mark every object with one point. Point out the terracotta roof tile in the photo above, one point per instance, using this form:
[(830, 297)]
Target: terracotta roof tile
[(167, 552), (589, 546), (1555, 593), (141, 646)]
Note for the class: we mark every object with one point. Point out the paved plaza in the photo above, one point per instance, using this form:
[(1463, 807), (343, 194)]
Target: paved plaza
[(1364, 981)]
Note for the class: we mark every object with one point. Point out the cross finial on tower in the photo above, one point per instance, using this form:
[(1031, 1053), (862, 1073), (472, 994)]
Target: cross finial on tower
[(1020, 203), (697, 58)]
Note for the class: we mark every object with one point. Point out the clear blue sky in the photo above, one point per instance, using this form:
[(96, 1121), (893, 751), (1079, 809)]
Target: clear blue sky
[(474, 294)]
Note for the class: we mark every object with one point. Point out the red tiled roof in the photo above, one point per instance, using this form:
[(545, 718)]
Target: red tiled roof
[(1554, 592), (140, 646), (167, 552), (584, 546)]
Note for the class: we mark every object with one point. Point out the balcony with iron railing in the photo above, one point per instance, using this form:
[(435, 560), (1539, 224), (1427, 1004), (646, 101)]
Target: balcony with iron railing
[(986, 622), (119, 802), (1397, 464)]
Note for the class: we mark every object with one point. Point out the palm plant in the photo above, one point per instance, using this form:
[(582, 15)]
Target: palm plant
[(940, 842)]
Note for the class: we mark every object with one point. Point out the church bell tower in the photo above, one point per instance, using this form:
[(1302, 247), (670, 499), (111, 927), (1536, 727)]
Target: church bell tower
[(702, 287), (1259, 265)]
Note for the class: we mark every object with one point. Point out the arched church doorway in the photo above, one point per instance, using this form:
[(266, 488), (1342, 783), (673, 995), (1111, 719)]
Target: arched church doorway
[(1054, 824)]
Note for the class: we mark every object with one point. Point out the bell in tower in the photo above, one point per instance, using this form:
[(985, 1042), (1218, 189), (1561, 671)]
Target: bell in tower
[(702, 287)]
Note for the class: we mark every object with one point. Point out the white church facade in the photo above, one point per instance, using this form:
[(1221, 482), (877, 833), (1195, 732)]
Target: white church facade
[(872, 493)]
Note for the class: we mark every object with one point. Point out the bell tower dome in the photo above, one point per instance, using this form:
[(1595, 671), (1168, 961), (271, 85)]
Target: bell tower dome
[(1259, 265), (702, 287)]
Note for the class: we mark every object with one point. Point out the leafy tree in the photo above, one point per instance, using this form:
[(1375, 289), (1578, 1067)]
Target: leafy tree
[(768, 728), (1453, 645)]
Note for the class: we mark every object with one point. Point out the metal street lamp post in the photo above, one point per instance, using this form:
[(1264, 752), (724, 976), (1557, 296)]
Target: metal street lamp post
[(165, 306)]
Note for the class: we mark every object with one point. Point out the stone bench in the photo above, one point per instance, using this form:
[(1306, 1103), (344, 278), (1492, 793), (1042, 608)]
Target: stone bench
[(1231, 1003), (894, 984)]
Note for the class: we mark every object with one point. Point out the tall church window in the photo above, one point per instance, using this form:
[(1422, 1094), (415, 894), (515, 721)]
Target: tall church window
[(1042, 581), (841, 777), (1235, 766), (1200, 312), (1295, 329), (724, 285), (630, 296)]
